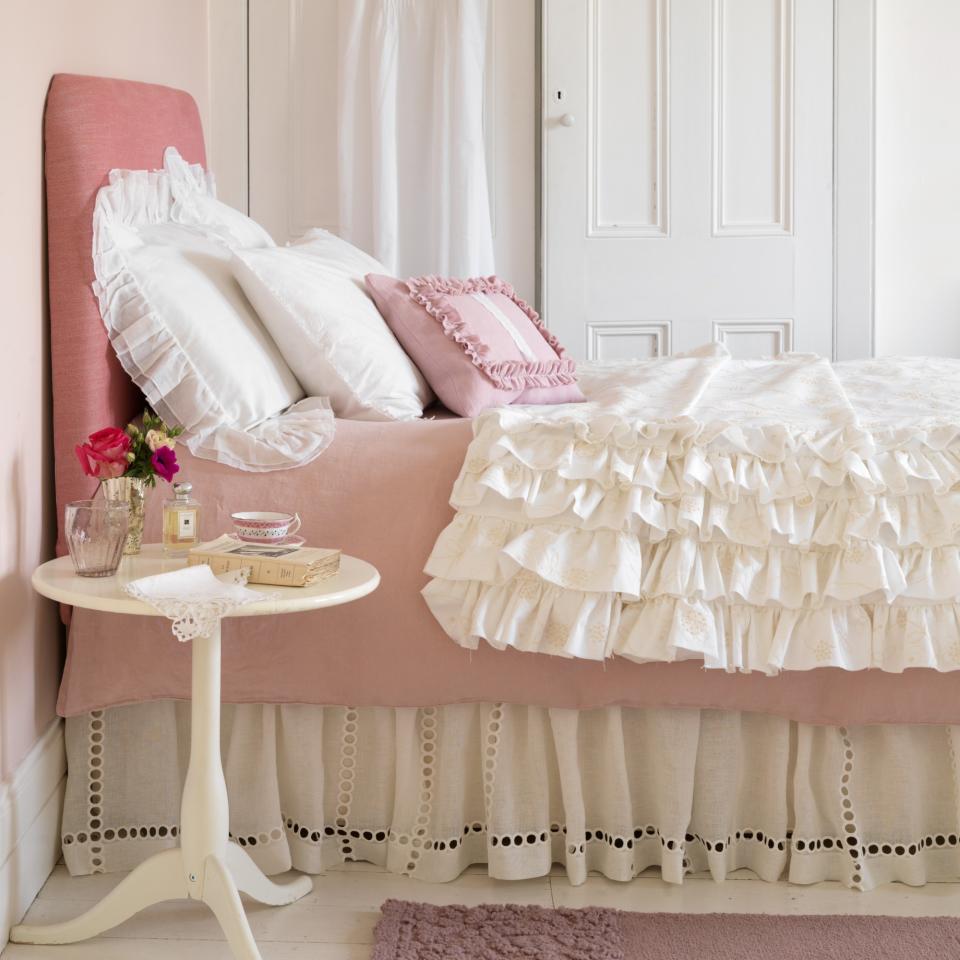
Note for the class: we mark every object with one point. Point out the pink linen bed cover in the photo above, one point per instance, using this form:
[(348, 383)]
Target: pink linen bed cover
[(380, 492)]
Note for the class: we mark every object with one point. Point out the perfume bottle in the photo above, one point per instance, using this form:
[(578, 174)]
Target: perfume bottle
[(181, 521)]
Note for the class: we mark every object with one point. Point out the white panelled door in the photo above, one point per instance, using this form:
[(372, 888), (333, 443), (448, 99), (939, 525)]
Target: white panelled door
[(688, 175)]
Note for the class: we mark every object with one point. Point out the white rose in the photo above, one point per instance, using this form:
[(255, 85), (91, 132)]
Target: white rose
[(157, 439)]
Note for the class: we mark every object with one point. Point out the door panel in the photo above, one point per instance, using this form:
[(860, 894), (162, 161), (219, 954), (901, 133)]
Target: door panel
[(627, 139), (752, 117)]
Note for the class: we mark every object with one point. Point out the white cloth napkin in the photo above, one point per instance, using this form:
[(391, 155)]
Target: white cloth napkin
[(194, 598)]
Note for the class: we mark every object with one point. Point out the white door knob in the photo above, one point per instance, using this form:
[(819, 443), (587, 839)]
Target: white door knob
[(568, 120)]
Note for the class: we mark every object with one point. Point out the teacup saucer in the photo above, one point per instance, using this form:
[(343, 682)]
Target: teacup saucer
[(291, 541)]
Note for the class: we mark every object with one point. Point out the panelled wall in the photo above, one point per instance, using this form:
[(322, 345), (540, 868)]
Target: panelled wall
[(918, 187), (782, 149)]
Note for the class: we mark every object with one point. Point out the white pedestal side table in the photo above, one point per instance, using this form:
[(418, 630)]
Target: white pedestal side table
[(206, 865)]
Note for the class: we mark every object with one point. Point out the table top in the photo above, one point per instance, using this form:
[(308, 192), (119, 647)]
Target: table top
[(57, 580)]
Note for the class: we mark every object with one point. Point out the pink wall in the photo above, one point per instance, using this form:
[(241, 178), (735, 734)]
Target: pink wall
[(140, 40)]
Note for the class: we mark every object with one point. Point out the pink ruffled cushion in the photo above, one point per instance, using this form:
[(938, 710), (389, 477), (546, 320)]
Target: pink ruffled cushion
[(476, 342)]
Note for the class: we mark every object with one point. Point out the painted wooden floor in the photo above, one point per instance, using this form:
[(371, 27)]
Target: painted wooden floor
[(336, 921)]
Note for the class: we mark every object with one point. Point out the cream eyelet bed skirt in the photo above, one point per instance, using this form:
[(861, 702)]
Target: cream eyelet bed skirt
[(429, 791)]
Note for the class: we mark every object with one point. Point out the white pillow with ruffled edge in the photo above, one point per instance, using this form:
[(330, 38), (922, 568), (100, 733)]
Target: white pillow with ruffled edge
[(186, 334), (311, 297)]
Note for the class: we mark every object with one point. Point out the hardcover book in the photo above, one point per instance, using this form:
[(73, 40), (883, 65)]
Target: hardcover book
[(278, 565)]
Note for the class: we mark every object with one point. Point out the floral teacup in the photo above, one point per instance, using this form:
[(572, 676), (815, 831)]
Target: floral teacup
[(259, 527)]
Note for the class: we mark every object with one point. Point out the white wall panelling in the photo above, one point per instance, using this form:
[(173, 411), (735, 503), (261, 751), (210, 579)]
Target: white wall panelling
[(754, 338), (917, 187), (814, 184), (293, 113), (226, 133), (752, 117), (628, 341), (627, 123), (854, 145), (490, 114), (312, 140), (511, 133)]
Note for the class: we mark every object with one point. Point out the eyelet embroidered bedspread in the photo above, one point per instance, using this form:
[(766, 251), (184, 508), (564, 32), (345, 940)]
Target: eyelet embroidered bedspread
[(764, 515)]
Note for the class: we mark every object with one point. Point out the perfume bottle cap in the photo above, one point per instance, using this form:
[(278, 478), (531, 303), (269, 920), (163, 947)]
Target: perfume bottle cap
[(182, 489)]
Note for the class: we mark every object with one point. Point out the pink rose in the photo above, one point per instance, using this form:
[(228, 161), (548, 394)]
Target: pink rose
[(164, 462), (104, 455)]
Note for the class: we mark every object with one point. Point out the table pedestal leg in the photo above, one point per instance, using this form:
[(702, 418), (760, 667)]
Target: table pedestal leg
[(205, 866)]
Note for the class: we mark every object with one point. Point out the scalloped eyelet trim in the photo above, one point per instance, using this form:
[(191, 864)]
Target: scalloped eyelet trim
[(435, 295)]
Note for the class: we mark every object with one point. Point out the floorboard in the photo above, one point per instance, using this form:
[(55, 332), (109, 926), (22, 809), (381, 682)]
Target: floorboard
[(336, 921)]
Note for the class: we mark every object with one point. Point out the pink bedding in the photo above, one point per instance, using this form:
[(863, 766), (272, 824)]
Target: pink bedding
[(380, 492)]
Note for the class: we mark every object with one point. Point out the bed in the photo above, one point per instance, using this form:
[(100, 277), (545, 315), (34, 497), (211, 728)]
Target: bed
[(366, 734)]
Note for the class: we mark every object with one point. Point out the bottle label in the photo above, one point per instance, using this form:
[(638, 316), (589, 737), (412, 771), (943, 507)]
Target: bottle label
[(186, 524)]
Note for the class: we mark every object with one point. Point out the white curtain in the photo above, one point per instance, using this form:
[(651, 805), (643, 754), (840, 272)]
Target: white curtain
[(412, 170)]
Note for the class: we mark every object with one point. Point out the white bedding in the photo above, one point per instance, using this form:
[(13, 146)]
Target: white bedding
[(755, 514), (182, 328)]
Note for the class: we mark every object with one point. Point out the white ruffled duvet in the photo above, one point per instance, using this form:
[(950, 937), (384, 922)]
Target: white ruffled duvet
[(764, 515)]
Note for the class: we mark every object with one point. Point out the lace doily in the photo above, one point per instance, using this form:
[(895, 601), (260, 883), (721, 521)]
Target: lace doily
[(194, 598)]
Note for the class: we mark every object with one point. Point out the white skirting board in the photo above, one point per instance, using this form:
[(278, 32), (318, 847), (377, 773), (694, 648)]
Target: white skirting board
[(31, 804)]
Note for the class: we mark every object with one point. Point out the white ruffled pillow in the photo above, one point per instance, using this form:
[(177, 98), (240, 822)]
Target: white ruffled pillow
[(196, 204), (185, 333), (311, 297)]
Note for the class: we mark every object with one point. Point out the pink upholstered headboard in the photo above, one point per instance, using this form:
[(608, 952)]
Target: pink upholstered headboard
[(93, 125)]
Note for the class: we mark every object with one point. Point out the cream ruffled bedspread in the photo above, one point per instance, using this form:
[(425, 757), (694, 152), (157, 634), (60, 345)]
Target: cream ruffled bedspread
[(766, 515)]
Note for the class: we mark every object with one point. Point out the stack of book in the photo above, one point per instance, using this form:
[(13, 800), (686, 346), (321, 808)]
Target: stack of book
[(275, 564)]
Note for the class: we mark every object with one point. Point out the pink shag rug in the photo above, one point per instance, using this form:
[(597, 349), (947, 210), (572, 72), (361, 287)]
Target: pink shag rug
[(418, 931)]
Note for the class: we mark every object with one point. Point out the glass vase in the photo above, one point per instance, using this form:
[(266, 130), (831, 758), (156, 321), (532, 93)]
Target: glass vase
[(96, 532), (133, 492)]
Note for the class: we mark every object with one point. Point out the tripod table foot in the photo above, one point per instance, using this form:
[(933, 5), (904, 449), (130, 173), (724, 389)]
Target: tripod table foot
[(251, 880), (155, 880)]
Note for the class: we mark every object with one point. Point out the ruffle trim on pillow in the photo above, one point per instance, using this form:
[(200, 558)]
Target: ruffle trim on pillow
[(291, 438), (137, 197), (434, 293), (190, 178), (533, 615)]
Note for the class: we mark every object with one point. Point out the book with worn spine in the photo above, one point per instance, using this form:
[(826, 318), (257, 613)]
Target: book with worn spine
[(279, 565)]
